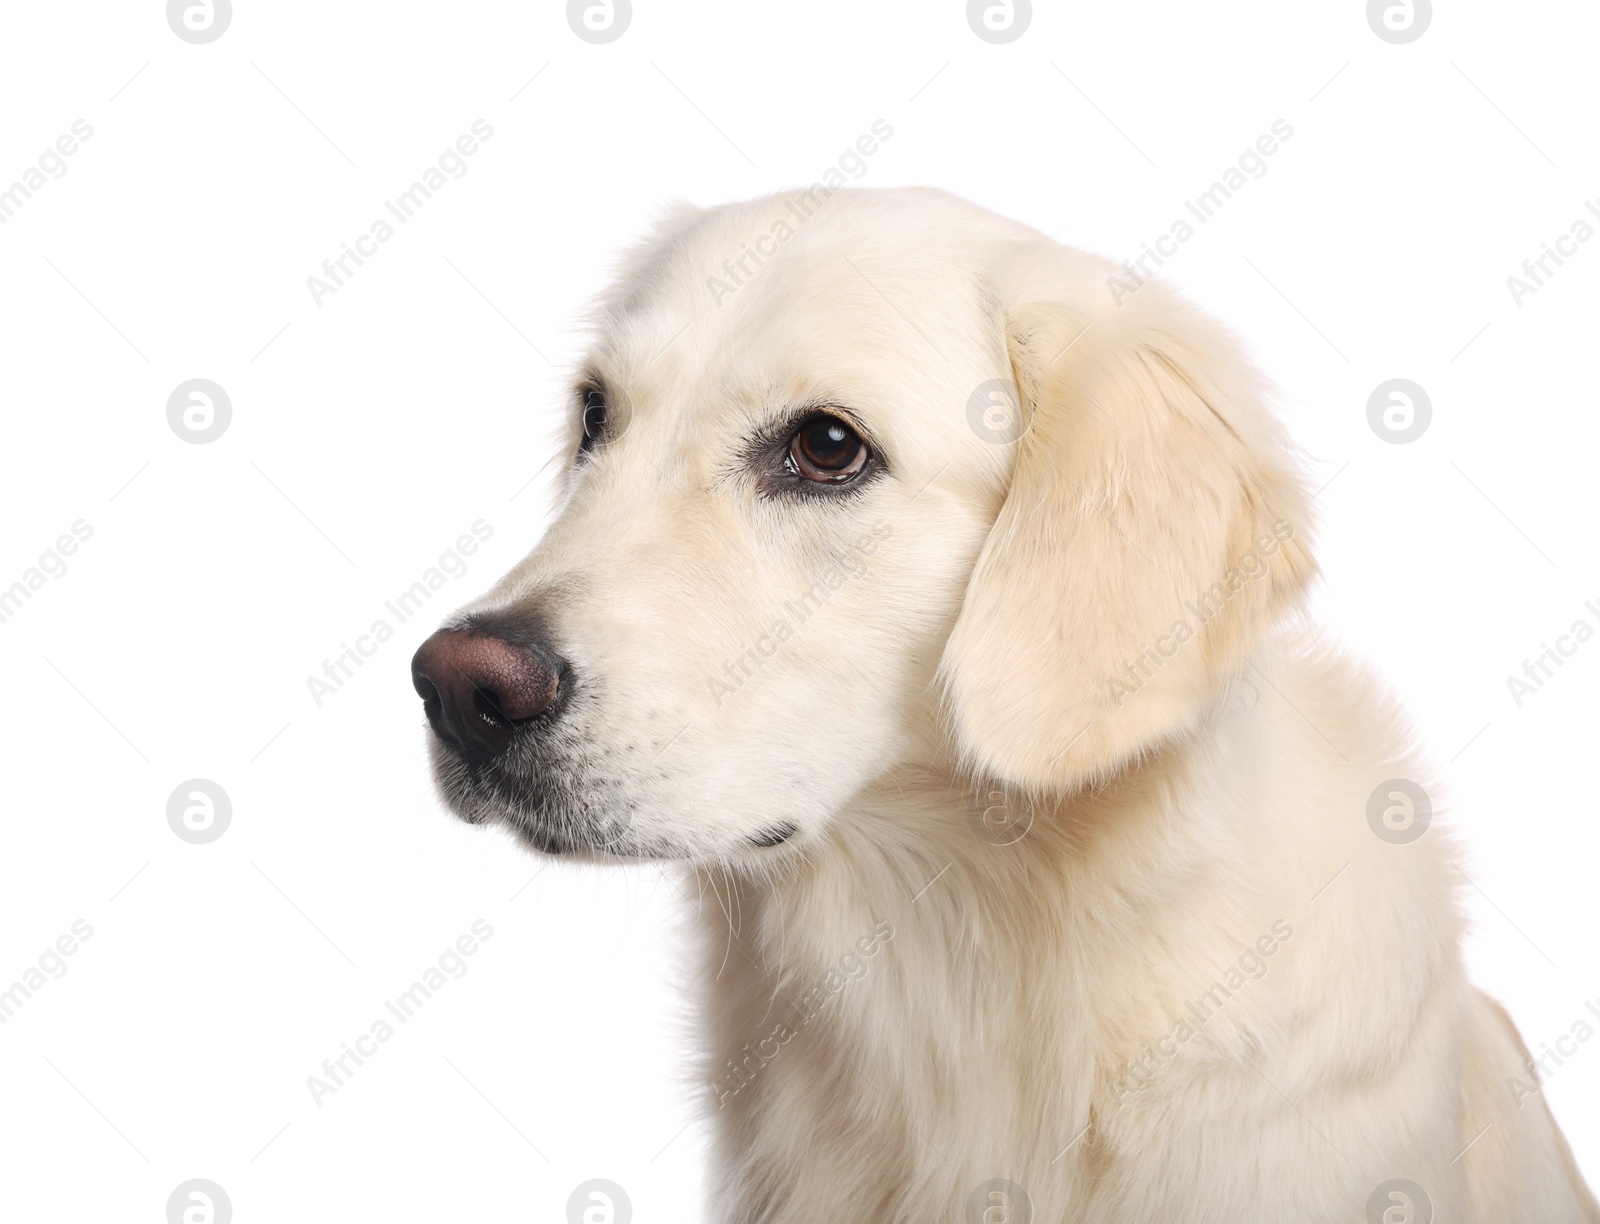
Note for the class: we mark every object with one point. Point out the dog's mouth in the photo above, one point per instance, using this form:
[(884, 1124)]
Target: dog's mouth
[(546, 807), (559, 816)]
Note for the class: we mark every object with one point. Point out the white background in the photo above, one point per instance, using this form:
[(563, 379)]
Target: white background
[(370, 431)]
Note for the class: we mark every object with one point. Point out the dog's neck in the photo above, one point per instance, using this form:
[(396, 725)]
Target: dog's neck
[(915, 963)]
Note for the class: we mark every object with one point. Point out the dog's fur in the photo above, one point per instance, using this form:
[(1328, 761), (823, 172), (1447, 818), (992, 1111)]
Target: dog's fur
[(899, 1009)]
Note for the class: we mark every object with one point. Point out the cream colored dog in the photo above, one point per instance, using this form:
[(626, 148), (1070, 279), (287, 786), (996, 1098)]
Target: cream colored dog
[(931, 608)]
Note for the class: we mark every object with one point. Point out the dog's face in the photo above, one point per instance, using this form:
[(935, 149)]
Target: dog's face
[(790, 449)]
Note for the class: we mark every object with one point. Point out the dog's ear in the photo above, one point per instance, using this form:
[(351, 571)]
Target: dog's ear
[(1152, 532)]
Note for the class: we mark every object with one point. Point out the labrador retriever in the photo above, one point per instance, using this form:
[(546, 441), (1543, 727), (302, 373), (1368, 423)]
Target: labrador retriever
[(936, 611)]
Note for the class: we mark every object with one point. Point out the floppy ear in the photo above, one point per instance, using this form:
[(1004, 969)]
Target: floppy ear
[(1152, 532)]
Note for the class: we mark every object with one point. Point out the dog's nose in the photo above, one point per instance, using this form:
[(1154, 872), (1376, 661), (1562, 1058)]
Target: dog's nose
[(476, 686)]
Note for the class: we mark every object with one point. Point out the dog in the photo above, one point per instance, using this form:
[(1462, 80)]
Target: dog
[(941, 618)]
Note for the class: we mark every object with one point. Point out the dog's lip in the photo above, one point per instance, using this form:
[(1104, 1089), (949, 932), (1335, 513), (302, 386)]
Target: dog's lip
[(546, 841), (476, 808)]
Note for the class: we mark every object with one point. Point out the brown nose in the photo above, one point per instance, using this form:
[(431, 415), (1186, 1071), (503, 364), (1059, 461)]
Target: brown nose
[(476, 686)]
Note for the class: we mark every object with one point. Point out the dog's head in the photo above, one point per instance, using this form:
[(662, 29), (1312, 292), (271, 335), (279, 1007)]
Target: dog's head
[(857, 482)]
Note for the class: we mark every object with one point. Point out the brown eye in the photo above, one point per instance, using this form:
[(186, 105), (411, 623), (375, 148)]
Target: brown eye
[(826, 449), (594, 418)]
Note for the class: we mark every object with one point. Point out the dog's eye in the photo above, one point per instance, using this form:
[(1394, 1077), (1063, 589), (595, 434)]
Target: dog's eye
[(826, 449), (594, 419)]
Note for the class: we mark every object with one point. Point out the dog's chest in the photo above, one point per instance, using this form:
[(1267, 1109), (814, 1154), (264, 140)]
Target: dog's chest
[(899, 1077)]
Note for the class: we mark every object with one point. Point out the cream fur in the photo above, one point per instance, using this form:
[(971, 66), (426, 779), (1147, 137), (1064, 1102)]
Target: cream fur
[(1185, 814)]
